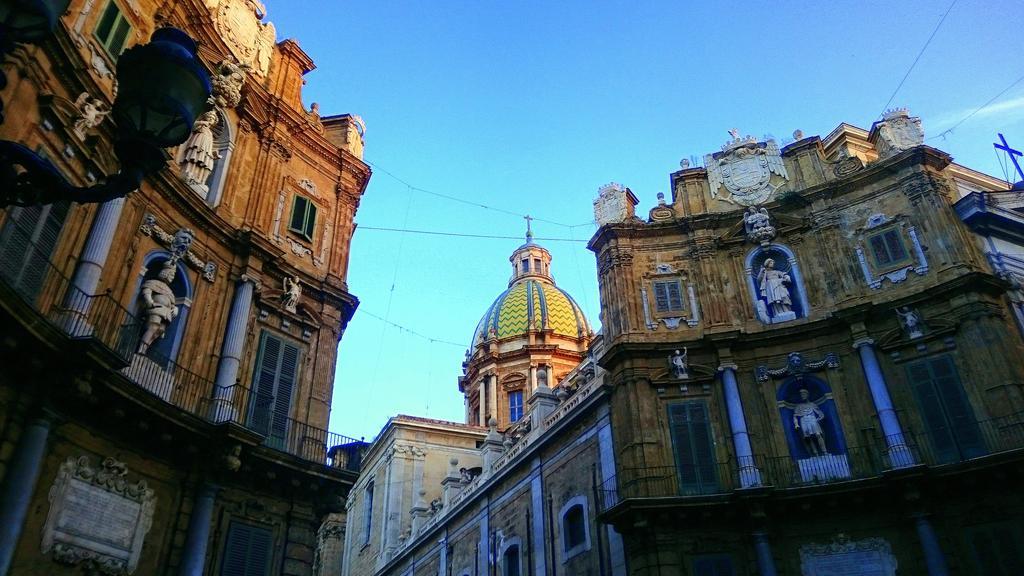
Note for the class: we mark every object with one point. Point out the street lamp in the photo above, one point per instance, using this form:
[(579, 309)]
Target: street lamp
[(162, 89)]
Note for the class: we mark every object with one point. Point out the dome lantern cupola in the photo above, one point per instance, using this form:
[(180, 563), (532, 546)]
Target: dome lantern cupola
[(533, 330)]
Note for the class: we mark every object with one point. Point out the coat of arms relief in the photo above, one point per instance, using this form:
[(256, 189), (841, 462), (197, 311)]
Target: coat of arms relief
[(250, 39), (745, 168)]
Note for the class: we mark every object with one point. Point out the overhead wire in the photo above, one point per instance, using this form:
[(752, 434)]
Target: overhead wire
[(410, 330), (406, 183), (987, 103), (919, 54), (462, 234)]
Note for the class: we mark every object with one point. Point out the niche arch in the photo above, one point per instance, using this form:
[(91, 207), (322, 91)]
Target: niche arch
[(164, 350), (784, 261)]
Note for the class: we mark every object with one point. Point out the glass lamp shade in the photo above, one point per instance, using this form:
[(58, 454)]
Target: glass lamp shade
[(162, 89), (31, 20)]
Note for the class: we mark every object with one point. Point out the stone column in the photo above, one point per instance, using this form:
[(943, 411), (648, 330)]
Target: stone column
[(934, 559), (492, 395), (482, 403), (224, 409), (20, 484), (765, 561), (193, 556), (442, 554), (748, 473), (899, 455), (90, 265)]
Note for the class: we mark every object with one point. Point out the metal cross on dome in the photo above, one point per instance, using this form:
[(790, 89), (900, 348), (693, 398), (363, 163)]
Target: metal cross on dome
[(1013, 154), (529, 232)]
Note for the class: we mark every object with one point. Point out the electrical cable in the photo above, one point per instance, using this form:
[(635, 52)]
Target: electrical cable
[(988, 103), (919, 54), (461, 234)]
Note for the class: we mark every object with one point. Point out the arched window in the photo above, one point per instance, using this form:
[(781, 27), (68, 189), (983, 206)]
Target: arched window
[(164, 350), (776, 284), (575, 528), (510, 561)]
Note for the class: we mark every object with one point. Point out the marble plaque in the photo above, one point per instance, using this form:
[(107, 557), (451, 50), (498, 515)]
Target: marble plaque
[(97, 517), (844, 557)]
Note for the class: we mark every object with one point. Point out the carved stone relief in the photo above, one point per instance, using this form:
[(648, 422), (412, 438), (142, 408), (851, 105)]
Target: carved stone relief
[(239, 23), (744, 168), (896, 132), (868, 557), (97, 518), (180, 246)]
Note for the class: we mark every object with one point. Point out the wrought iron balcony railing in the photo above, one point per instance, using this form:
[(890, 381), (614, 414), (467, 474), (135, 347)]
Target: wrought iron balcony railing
[(938, 448), (101, 323)]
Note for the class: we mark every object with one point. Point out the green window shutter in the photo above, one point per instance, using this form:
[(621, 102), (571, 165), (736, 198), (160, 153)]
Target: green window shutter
[(29, 235), (996, 549), (675, 297), (298, 219), (694, 450), (947, 415), (661, 300), (283, 394), (879, 249), (310, 221), (957, 407), (268, 359), (106, 24), (112, 30), (247, 551), (895, 246)]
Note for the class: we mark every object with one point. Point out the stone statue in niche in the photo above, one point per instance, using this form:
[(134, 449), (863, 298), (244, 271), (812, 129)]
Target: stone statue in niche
[(292, 293), (773, 290), (158, 305), (758, 226), (678, 364), (91, 112), (807, 417), (198, 160), (910, 321)]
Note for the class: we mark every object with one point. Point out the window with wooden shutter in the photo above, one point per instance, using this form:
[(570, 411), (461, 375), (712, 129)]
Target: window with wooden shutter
[(303, 219), (713, 565), (112, 30), (949, 421), (887, 248), (277, 365), (29, 236), (668, 296), (693, 447), (997, 549), (247, 550)]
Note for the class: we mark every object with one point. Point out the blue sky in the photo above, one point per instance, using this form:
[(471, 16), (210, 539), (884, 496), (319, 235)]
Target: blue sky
[(529, 106)]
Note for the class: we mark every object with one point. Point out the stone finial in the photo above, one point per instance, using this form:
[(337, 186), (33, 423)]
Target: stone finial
[(684, 163), (798, 134), (661, 198)]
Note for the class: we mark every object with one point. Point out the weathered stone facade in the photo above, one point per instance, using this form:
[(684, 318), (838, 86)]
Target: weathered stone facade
[(841, 364), (503, 505), (223, 414)]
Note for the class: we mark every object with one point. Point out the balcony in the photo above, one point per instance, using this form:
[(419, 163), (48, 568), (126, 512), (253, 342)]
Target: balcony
[(939, 451), (46, 300)]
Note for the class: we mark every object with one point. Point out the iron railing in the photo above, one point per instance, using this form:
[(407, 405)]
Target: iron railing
[(937, 448), (99, 320)]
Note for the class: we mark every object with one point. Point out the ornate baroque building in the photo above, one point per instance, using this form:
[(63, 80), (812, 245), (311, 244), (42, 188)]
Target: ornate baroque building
[(168, 358), (814, 355)]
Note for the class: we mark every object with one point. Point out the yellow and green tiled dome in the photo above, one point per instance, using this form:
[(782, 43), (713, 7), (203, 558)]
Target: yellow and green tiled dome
[(532, 302)]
